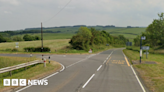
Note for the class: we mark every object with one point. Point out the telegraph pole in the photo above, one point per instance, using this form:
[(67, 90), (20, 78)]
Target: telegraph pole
[(41, 38)]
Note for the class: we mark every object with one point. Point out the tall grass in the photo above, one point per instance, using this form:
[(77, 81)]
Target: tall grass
[(53, 44), (10, 61)]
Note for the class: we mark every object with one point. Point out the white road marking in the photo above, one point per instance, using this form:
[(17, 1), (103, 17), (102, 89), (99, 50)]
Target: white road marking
[(23, 88), (88, 81), (43, 78), (99, 67), (63, 67), (80, 60), (138, 79), (107, 57), (104, 62)]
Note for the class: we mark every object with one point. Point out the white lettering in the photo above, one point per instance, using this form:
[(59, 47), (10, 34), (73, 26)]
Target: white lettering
[(30, 82), (45, 82)]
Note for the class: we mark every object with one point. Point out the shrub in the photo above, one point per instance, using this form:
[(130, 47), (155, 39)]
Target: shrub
[(32, 49), (37, 49), (28, 37), (14, 49)]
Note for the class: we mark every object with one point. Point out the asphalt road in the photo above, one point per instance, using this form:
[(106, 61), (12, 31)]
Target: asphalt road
[(108, 71)]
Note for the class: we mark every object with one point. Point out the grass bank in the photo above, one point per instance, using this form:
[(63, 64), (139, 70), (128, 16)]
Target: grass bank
[(10, 61), (151, 50), (152, 74), (32, 72)]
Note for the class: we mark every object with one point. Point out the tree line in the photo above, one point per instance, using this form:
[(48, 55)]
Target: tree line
[(87, 38), (154, 33), (26, 37)]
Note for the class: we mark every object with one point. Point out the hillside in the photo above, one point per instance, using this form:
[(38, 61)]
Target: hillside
[(66, 32)]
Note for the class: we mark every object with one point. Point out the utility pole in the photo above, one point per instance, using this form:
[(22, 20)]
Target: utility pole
[(41, 38)]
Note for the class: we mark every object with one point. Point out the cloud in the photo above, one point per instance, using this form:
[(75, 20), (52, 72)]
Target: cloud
[(7, 12), (26, 13), (12, 2)]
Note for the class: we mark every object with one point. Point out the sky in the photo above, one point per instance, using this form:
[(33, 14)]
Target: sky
[(21, 14)]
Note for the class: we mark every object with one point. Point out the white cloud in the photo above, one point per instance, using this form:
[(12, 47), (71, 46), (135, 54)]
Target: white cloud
[(12, 2), (26, 13), (7, 12)]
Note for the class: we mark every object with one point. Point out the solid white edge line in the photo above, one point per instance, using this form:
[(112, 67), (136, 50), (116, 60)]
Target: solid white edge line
[(62, 66), (138, 79), (143, 89), (99, 68), (88, 81), (42, 79)]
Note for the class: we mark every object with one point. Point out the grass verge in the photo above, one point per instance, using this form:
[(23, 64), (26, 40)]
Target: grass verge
[(32, 72), (10, 61), (152, 74)]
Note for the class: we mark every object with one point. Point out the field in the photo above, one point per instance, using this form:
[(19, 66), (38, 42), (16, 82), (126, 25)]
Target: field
[(53, 44), (152, 74), (68, 32)]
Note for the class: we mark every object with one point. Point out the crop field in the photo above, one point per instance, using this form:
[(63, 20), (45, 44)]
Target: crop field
[(53, 44)]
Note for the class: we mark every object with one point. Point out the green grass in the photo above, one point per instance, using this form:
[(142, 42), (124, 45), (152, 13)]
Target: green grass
[(153, 74), (129, 33), (33, 72), (151, 50), (10, 61), (53, 44), (68, 32), (60, 45)]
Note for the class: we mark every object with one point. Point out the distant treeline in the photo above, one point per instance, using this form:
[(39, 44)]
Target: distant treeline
[(55, 29), (107, 26)]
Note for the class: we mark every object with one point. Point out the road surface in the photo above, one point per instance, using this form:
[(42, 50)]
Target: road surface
[(108, 71)]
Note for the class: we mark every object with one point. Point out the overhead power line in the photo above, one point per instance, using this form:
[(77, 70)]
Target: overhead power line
[(57, 12)]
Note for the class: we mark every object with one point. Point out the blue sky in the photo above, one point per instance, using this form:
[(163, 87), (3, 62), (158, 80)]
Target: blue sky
[(21, 14)]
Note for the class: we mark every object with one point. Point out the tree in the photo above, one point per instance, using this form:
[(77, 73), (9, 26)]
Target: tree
[(28, 37), (2, 39), (17, 38), (37, 38)]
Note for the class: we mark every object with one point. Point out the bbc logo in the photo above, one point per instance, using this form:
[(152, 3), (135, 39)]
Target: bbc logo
[(14, 82)]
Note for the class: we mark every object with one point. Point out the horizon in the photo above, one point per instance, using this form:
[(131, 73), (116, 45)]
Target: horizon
[(70, 26)]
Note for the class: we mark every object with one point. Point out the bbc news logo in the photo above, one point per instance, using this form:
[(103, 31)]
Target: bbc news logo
[(23, 82)]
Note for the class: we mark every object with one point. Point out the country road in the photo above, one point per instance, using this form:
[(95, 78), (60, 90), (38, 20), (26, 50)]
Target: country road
[(108, 71)]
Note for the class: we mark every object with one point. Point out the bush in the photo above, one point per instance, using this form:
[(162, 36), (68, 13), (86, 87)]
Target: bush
[(32, 49), (28, 37), (37, 49), (17, 38), (14, 49)]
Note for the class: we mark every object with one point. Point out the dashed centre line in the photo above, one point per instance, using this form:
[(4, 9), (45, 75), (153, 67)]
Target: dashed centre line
[(99, 68)]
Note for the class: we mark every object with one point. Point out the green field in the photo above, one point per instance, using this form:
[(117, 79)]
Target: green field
[(53, 44), (68, 32)]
